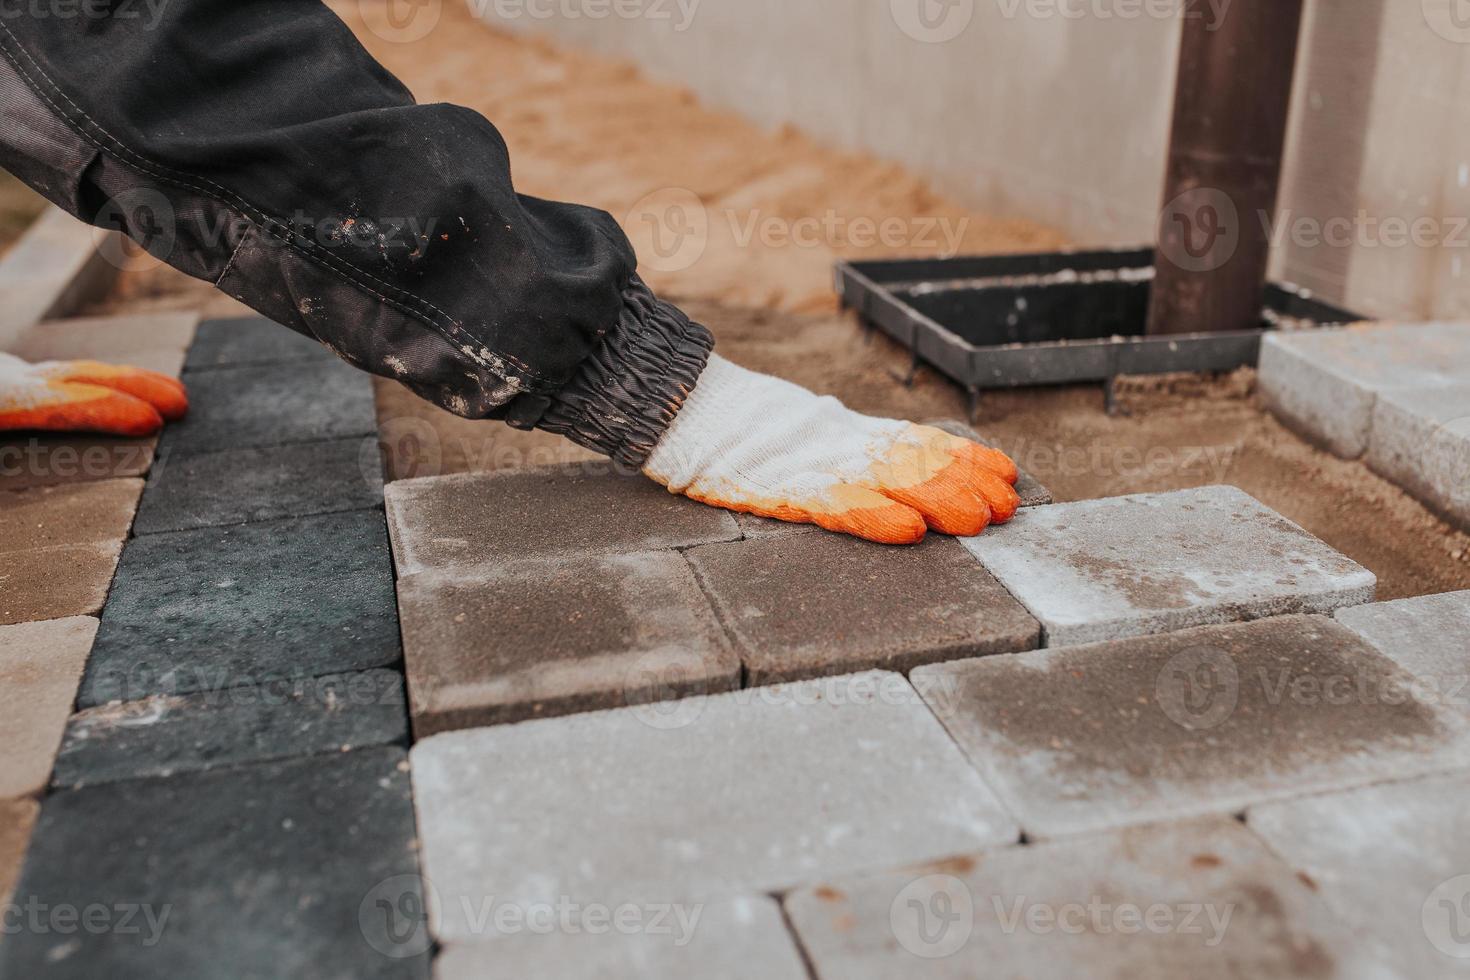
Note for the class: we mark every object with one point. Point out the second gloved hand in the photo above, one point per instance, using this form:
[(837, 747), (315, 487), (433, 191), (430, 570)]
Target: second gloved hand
[(753, 443), (87, 396)]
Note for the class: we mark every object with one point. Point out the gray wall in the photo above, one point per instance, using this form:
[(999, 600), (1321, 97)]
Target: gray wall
[(1057, 111)]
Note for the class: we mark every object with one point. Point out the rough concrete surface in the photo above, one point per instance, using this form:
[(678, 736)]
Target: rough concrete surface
[(249, 341), (458, 522), (40, 666), (1421, 441), (535, 639), (734, 939), (1325, 383), (740, 793), (1428, 636), (56, 583), (154, 341), (1202, 899), (808, 605), (1128, 566), (164, 735), (231, 607), (1202, 721), (290, 869), (249, 485), (1392, 861), (36, 460), (85, 513)]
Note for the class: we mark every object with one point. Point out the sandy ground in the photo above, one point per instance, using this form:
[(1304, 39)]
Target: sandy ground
[(586, 129)]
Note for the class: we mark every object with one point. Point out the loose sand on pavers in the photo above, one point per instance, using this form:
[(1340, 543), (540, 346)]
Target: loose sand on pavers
[(734, 794), (40, 667), (1209, 720), (735, 939), (1391, 862), (1200, 899)]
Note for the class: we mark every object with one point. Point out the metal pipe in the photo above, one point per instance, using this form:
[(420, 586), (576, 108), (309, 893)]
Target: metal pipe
[(1225, 156)]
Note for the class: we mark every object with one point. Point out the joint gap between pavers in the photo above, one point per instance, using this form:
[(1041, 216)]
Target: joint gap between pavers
[(709, 599), (378, 508), (807, 963)]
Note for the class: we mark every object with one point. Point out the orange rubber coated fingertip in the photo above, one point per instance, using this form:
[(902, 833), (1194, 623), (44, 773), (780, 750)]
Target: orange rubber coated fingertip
[(991, 460), (1003, 499), (86, 408), (892, 524), (948, 502)]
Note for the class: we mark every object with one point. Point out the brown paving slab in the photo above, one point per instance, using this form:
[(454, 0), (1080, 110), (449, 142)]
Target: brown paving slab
[(54, 583), (460, 522), (155, 341), (17, 817), (38, 460), (1208, 720), (809, 605), (538, 639), (49, 517), (1204, 900), (40, 667)]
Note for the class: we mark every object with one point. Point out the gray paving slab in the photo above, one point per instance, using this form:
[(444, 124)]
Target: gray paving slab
[(230, 607), (165, 735), (304, 868), (809, 605), (735, 794), (1129, 566), (1392, 861), (460, 521), (1426, 635), (1031, 490), (1421, 441), (250, 485), (1210, 720), (272, 405), (1326, 383), (538, 639), (1201, 899), (242, 341), (733, 939)]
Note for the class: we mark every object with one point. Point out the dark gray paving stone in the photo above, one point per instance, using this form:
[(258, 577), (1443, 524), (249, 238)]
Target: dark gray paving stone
[(250, 485), (249, 341), (809, 605), (1033, 493), (164, 735), (537, 639), (272, 405), (1209, 720), (457, 522), (304, 868), (229, 607)]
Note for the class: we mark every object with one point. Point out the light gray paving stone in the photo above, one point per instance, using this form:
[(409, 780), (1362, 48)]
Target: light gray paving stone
[(1210, 720), (1430, 636), (1421, 441), (1325, 383), (465, 520), (1130, 566), (1393, 861), (1202, 900), (735, 939), (735, 794)]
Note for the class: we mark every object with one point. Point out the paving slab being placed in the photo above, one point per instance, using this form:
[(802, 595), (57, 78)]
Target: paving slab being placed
[(164, 735), (1393, 862), (40, 665), (1202, 899), (809, 605), (735, 939), (230, 607), (537, 639), (153, 341), (56, 583), (16, 819), (249, 341), (1421, 441), (1209, 720), (735, 794), (293, 869), (458, 522), (272, 405), (250, 485), (1326, 383), (1129, 566), (1427, 636)]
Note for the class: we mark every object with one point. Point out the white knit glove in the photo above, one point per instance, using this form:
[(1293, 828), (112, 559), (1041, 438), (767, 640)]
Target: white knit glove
[(753, 443)]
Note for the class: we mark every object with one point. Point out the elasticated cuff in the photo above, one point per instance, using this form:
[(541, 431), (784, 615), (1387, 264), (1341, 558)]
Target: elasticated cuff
[(628, 392)]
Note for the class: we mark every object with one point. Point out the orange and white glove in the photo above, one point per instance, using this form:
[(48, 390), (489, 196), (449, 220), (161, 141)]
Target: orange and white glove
[(756, 444), (87, 396)]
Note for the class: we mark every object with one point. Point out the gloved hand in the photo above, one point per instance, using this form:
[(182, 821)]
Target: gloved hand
[(87, 396), (756, 444)]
